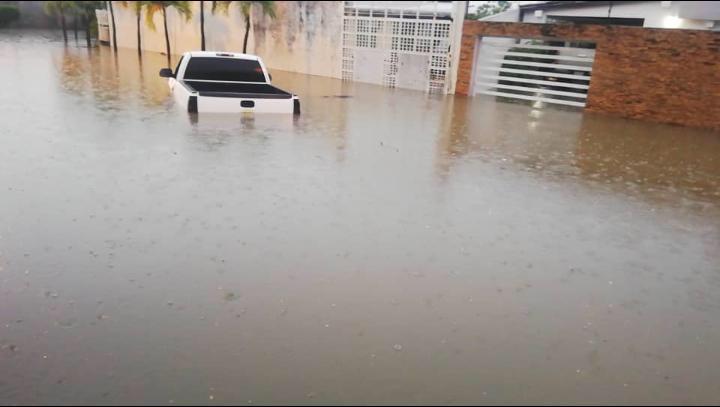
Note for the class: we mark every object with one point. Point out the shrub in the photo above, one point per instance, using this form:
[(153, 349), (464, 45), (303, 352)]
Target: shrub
[(8, 14)]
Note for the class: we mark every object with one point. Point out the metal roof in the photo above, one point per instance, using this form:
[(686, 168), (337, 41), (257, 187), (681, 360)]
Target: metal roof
[(569, 4)]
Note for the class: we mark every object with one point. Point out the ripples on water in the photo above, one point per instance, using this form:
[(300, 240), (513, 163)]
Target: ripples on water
[(385, 245)]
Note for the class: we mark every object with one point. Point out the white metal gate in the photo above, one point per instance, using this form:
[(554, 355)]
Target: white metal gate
[(405, 44), (541, 71)]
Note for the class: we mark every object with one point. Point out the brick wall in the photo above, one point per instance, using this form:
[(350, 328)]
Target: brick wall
[(668, 76)]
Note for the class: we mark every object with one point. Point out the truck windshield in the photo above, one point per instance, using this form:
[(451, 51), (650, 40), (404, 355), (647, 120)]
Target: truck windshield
[(224, 69)]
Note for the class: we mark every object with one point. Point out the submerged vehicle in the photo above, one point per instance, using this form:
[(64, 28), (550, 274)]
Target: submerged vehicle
[(226, 82)]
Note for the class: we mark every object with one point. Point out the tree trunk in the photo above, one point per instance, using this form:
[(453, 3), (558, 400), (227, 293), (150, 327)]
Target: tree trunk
[(114, 33), (247, 33), (202, 25), (138, 31), (167, 38), (75, 27), (64, 27), (87, 31)]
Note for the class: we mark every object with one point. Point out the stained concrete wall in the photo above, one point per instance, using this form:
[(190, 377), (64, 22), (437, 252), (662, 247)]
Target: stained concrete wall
[(305, 36), (668, 76)]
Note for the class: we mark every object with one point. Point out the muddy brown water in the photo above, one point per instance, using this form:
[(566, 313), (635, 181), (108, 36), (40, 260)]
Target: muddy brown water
[(384, 247)]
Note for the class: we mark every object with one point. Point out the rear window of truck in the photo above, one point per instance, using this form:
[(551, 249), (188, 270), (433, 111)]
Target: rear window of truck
[(224, 69)]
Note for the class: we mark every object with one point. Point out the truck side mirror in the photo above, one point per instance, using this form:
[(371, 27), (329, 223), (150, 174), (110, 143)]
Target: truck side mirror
[(166, 73), (270, 76)]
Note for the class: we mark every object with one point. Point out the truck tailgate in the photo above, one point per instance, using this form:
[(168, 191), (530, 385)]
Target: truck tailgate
[(234, 97), (237, 90)]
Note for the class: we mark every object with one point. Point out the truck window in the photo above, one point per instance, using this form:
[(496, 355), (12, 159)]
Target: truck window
[(224, 69)]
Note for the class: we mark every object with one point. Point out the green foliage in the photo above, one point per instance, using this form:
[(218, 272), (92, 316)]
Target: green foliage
[(94, 28), (84, 9), (268, 7), (8, 14), (137, 6), (58, 8), (87, 8), (152, 7), (488, 9)]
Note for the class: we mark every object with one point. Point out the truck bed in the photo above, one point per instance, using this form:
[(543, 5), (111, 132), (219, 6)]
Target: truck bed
[(236, 90)]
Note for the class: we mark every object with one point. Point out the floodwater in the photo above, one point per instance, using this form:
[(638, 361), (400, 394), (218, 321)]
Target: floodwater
[(386, 246)]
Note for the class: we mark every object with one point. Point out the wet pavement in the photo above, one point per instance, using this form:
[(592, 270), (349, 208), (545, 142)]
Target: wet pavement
[(385, 246)]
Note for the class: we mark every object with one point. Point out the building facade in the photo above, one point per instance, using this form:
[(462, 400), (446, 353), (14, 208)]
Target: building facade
[(403, 44), (693, 15)]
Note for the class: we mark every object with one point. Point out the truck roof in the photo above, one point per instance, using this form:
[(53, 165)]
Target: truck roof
[(222, 54)]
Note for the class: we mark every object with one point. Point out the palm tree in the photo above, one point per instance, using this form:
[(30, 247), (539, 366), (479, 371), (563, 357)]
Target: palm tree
[(86, 9), (112, 17), (152, 7), (59, 8), (268, 9), (202, 25), (137, 6), (76, 16)]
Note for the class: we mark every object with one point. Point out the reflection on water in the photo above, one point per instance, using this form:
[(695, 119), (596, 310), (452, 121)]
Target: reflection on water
[(98, 73), (653, 159), (384, 246), (650, 161)]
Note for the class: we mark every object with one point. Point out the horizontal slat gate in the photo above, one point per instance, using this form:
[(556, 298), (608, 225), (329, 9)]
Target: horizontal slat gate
[(532, 70)]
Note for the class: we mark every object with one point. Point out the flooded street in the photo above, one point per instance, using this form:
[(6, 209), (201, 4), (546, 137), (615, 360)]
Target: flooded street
[(385, 246)]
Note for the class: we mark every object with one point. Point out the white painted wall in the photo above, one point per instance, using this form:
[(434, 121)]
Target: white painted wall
[(703, 10), (305, 36), (657, 14)]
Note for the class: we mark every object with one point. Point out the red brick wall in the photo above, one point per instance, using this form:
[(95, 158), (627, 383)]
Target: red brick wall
[(668, 76)]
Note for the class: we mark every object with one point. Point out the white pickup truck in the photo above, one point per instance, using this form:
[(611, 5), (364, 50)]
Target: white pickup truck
[(225, 82)]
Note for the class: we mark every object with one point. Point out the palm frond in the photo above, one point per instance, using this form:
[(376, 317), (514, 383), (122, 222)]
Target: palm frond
[(136, 5), (220, 6), (57, 7), (152, 7), (268, 8), (183, 8)]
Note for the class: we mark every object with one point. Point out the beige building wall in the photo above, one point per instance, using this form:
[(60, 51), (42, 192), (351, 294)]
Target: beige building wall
[(305, 37)]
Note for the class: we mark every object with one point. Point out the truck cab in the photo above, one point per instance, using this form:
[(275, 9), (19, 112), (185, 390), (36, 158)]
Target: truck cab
[(226, 82)]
